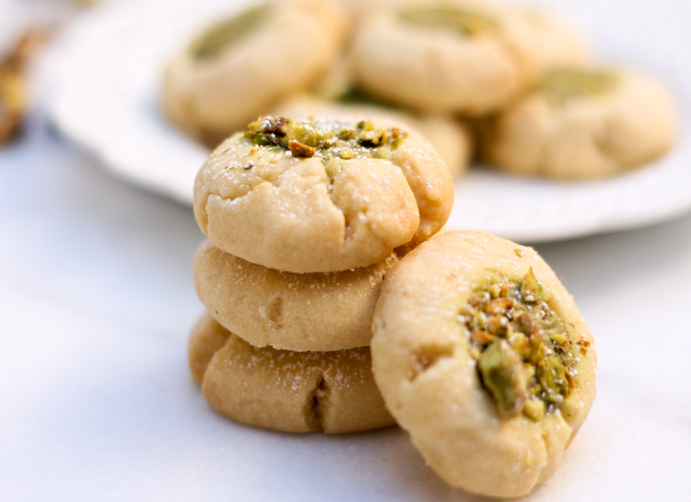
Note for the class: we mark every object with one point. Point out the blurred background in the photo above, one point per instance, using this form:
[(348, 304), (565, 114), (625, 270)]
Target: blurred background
[(97, 295)]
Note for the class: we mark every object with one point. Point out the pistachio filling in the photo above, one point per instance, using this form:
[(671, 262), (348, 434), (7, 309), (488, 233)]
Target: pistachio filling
[(469, 24), (217, 38), (333, 141), (525, 359), (561, 85)]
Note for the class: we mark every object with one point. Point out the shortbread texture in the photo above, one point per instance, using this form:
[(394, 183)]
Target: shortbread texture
[(555, 133), (212, 94), (270, 207), (315, 312), (424, 369), (454, 56), (333, 392)]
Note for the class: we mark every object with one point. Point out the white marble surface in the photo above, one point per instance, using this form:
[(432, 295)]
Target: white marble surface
[(96, 403)]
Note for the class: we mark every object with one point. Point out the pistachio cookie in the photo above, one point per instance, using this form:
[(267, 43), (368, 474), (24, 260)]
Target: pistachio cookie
[(482, 356), (318, 311), (321, 195), (583, 123), (445, 56), (241, 66), (451, 137), (283, 390)]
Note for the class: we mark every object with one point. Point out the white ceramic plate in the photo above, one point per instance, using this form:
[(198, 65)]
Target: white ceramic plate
[(105, 74)]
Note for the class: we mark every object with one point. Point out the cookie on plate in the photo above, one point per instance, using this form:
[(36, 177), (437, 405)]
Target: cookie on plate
[(283, 390), (482, 356), (241, 66), (319, 311), (451, 137), (583, 123), (321, 195), (445, 56)]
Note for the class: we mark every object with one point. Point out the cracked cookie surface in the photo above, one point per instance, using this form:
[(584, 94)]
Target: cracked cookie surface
[(333, 392), (323, 195), (473, 339)]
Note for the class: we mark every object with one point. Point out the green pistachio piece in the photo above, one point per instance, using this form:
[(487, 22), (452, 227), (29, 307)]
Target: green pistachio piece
[(333, 166), (501, 369), (531, 289), (534, 409), (552, 376), (562, 85), (466, 23), (382, 153), (217, 38)]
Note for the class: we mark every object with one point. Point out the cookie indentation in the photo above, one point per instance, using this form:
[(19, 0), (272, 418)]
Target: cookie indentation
[(274, 311)]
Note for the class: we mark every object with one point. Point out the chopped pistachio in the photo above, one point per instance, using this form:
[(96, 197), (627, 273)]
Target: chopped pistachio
[(333, 167), (552, 376), (534, 409), (503, 375), (300, 149), (510, 325), (217, 38), (467, 23), (326, 139), (564, 84), (481, 337), (531, 290)]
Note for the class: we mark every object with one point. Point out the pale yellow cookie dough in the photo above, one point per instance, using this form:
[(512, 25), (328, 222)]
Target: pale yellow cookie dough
[(491, 404), (240, 67), (580, 124), (451, 137), (444, 56), (321, 196), (319, 311), (333, 392)]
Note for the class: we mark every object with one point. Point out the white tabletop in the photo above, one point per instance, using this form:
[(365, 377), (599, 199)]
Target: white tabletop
[(96, 401)]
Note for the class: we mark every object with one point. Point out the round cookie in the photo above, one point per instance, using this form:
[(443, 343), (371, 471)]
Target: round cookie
[(583, 123), (238, 68), (319, 311), (482, 356), (322, 195), (444, 56), (451, 137), (283, 390)]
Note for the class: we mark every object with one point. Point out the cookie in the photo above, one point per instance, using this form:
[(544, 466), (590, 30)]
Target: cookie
[(551, 43), (283, 390), (238, 68), (583, 123), (483, 357), (444, 56), (451, 137), (319, 311), (322, 195)]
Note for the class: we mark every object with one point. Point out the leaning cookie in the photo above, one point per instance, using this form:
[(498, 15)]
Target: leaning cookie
[(443, 56), (481, 354), (451, 137), (318, 312), (288, 391), (321, 195), (238, 68), (582, 123)]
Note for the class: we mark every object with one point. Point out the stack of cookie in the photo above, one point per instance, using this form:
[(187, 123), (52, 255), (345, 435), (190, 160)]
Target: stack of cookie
[(303, 220)]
